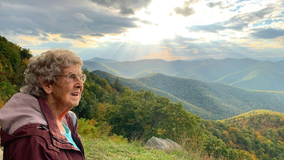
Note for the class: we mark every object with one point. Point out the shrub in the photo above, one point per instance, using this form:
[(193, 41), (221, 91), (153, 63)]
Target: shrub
[(93, 129)]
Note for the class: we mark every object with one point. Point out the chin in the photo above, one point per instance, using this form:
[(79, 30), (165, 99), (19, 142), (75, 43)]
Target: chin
[(75, 104)]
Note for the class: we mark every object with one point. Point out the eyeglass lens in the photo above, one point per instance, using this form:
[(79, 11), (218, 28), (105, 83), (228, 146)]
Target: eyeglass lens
[(74, 77)]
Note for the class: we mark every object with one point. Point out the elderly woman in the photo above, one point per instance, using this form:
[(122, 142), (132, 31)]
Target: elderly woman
[(37, 123)]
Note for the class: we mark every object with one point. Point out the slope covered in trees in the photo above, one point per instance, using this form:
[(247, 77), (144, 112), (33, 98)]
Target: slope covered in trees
[(259, 132), (208, 100), (13, 60)]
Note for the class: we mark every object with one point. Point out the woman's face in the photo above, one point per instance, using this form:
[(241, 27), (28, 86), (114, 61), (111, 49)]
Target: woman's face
[(66, 93)]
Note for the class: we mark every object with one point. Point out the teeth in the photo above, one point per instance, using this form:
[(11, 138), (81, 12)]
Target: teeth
[(75, 94)]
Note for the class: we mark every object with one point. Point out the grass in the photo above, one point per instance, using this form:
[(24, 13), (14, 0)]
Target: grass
[(117, 149), (110, 149)]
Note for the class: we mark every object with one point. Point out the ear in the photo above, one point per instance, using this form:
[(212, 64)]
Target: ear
[(46, 87)]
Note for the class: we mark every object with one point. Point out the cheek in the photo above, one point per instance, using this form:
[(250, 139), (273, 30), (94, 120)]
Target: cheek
[(64, 90)]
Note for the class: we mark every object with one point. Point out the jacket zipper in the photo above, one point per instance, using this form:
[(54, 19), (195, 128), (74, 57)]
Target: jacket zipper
[(61, 141), (42, 127)]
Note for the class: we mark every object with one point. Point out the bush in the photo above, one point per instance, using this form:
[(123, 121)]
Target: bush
[(92, 129)]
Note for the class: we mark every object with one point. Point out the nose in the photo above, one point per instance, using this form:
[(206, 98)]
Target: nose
[(79, 84)]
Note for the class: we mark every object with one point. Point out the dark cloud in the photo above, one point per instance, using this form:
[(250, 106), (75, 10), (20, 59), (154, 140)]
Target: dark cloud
[(186, 10), (268, 33), (74, 18), (126, 11), (125, 7), (45, 35)]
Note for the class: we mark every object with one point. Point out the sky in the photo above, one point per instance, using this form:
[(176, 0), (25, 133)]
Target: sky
[(128, 30)]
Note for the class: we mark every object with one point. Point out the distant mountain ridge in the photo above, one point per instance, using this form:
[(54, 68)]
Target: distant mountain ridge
[(209, 100), (96, 59), (244, 73)]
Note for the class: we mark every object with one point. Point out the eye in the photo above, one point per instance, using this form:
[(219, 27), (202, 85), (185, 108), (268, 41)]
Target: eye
[(73, 76), (83, 77)]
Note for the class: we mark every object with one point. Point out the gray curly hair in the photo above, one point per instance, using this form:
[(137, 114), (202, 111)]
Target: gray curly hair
[(44, 67)]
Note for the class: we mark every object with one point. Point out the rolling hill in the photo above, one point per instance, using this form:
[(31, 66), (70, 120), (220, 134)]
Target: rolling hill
[(259, 132), (209, 100), (259, 120), (244, 73)]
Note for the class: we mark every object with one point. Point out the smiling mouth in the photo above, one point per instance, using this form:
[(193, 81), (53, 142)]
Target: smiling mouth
[(75, 94)]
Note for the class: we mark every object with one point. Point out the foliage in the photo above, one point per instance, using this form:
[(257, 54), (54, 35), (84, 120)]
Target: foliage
[(13, 61), (258, 132), (86, 128), (143, 115), (93, 129)]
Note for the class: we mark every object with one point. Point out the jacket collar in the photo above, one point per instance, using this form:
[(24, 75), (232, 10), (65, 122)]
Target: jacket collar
[(50, 118)]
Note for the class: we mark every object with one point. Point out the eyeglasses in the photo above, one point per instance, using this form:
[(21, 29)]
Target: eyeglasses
[(72, 77)]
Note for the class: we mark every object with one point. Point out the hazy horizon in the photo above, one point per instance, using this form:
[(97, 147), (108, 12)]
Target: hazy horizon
[(266, 59)]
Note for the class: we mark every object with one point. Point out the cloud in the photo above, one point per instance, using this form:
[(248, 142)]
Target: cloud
[(97, 35), (186, 10), (125, 7), (82, 17), (71, 36), (242, 20), (61, 17), (182, 46), (238, 22), (269, 33), (214, 28), (214, 4)]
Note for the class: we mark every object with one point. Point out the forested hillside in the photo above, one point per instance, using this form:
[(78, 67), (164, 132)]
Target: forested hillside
[(13, 61), (209, 100), (244, 73), (260, 132), (110, 109)]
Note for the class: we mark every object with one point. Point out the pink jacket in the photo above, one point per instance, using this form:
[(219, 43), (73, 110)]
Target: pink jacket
[(29, 131)]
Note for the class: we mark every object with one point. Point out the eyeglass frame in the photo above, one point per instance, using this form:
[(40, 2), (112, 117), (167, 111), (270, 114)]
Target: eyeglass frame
[(68, 76)]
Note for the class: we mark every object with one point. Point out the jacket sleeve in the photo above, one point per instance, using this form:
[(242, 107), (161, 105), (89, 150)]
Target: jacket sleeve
[(31, 148)]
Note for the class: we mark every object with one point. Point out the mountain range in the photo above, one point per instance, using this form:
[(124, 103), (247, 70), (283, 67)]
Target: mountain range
[(244, 73), (209, 100)]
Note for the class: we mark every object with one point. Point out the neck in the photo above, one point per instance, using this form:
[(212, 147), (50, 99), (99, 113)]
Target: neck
[(58, 112)]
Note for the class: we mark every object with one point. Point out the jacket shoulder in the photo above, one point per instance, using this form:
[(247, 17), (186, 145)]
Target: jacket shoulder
[(73, 118)]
